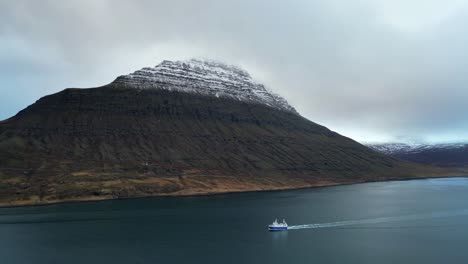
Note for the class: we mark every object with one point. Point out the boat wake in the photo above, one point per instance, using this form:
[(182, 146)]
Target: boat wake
[(382, 220)]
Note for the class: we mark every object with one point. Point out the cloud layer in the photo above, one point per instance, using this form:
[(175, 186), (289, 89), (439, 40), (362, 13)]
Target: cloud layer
[(374, 70)]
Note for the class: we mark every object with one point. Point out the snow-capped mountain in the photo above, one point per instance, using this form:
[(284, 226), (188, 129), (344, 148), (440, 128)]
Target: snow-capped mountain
[(446, 154), (206, 78), (391, 148), (162, 131)]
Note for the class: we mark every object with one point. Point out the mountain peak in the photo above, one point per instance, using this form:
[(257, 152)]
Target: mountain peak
[(212, 66), (204, 77)]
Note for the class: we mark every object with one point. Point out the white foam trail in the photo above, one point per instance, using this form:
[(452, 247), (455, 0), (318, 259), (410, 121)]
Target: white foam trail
[(382, 220)]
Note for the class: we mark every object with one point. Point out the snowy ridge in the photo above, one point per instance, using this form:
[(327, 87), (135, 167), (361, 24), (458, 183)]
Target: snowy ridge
[(399, 148), (206, 78)]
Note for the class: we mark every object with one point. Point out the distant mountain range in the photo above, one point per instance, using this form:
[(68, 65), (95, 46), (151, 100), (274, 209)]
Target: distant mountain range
[(179, 128), (445, 155)]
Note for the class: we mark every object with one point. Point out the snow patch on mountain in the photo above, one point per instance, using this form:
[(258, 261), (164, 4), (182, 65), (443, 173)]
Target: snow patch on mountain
[(205, 78)]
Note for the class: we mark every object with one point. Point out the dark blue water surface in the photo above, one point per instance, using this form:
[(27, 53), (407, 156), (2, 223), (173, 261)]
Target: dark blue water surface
[(418, 221)]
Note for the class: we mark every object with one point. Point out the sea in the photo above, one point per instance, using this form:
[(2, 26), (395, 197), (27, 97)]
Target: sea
[(414, 221)]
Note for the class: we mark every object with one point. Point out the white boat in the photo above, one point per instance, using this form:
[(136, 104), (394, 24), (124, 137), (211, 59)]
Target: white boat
[(275, 226)]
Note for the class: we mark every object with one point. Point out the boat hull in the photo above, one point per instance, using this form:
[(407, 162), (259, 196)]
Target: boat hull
[(277, 228)]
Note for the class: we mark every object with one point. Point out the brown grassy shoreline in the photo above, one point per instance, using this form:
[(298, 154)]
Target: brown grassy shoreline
[(218, 191)]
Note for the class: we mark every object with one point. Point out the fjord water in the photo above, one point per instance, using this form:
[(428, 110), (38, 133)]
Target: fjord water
[(417, 221)]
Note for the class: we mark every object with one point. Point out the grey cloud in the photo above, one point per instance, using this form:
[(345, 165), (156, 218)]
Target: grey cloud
[(369, 69)]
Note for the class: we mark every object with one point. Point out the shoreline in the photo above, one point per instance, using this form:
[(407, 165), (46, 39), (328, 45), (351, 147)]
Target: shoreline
[(227, 192)]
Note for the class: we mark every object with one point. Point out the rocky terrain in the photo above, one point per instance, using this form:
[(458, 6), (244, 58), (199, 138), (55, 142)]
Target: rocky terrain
[(443, 155), (179, 128)]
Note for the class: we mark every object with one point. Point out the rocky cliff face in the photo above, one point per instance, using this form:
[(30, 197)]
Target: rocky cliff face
[(179, 128)]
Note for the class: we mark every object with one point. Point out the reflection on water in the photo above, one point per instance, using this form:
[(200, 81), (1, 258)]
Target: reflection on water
[(279, 235)]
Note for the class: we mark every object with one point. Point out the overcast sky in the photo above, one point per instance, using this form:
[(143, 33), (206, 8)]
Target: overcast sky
[(373, 70)]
